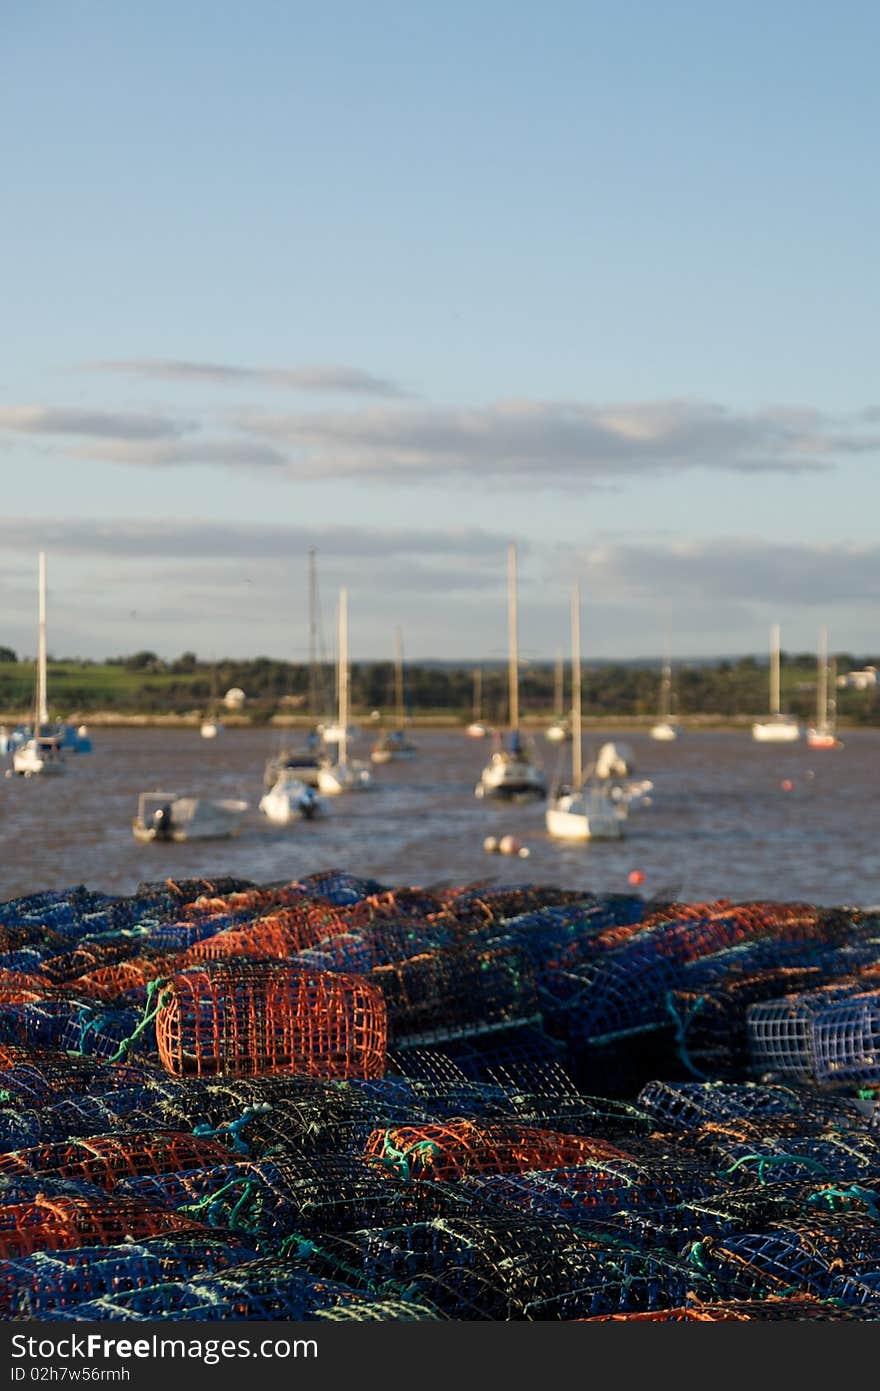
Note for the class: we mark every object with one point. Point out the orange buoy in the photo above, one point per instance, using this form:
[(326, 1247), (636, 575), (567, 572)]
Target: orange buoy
[(786, 785), (636, 876)]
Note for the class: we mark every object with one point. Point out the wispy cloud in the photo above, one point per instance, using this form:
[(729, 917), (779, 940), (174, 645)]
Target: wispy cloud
[(244, 541), (350, 381), (522, 444), (535, 443), (96, 424)]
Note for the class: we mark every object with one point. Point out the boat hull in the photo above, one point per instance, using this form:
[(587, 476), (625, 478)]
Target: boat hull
[(563, 824), (347, 777), (776, 732), (664, 732)]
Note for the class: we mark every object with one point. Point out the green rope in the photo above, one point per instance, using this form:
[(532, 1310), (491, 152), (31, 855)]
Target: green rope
[(148, 1017), (398, 1160), (769, 1160), (681, 1022), (845, 1195)]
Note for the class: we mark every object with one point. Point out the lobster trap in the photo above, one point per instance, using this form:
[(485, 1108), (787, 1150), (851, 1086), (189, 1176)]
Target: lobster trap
[(253, 1019)]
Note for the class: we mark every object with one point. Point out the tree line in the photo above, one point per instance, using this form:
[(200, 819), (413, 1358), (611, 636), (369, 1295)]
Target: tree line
[(144, 683)]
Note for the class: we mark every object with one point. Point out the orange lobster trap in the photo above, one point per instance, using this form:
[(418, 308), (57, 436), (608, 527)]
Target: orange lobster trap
[(105, 1159), (463, 1147), (256, 1018), (62, 1222)]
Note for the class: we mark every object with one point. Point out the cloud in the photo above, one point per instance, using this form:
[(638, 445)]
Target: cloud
[(122, 425), (534, 443), (234, 454), (720, 570), (522, 444), (232, 541), (349, 380)]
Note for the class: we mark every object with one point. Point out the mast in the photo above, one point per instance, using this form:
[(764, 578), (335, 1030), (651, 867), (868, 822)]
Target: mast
[(42, 707), (398, 675), (822, 682), (666, 686), (577, 771), (478, 693), (832, 700), (313, 637), (343, 678), (774, 669), (512, 646), (558, 696)]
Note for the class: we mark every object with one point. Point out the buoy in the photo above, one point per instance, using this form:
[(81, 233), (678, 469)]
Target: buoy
[(490, 845), (509, 845), (786, 784), (636, 876), (524, 852)]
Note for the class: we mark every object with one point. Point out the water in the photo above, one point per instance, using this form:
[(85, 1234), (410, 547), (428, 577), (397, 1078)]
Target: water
[(720, 824)]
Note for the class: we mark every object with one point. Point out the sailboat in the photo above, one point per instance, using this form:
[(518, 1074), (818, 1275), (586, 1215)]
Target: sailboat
[(302, 764), (477, 729), (511, 772), (41, 754), (779, 728), (211, 725), (343, 775), (560, 729), (579, 813), (823, 735), (666, 728), (394, 743)]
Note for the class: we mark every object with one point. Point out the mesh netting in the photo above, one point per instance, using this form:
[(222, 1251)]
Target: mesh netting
[(39, 1285), (451, 1151), (826, 1035), (457, 992), (258, 1018)]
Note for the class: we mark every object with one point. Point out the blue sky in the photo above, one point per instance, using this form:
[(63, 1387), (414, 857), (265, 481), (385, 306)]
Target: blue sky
[(404, 282)]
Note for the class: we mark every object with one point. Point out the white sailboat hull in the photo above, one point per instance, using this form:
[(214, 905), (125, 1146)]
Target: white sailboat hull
[(477, 730), (343, 777), (665, 731), (558, 733), (32, 761), (776, 731), (576, 818)]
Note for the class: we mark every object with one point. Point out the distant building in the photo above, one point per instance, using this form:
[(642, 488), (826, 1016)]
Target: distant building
[(234, 698), (859, 680)]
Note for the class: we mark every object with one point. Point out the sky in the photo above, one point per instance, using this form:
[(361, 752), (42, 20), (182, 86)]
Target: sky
[(404, 283)]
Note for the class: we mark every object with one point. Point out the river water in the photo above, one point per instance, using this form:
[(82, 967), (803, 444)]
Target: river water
[(720, 824)]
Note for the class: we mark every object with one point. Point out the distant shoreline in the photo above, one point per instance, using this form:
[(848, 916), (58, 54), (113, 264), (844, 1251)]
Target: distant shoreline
[(108, 719)]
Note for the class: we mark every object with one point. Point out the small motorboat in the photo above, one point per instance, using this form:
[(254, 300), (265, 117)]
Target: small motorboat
[(291, 800), (168, 816), (511, 775), (210, 729), (559, 732), (477, 730)]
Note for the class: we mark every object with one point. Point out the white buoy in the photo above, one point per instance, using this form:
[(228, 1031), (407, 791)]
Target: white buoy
[(524, 852), (490, 845), (508, 845)]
